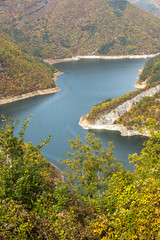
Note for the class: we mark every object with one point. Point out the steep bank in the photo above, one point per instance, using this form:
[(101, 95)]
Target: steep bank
[(106, 121)]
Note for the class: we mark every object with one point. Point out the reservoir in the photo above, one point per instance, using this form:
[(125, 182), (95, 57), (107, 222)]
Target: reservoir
[(83, 84)]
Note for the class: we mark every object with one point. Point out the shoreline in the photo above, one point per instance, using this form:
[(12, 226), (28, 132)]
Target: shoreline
[(106, 121), (114, 127), (29, 95), (140, 85), (77, 58), (56, 75), (32, 94)]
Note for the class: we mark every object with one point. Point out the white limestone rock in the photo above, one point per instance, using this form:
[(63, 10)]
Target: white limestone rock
[(106, 121)]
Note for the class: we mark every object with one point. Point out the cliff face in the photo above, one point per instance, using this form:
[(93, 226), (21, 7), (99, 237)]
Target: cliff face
[(126, 106), (107, 121)]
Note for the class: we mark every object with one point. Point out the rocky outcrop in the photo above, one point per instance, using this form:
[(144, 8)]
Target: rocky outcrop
[(107, 120)]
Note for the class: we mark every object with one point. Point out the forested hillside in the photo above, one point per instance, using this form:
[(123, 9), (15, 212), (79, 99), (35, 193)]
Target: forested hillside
[(144, 113), (151, 71), (65, 28), (99, 199), (22, 40), (152, 6), (21, 73)]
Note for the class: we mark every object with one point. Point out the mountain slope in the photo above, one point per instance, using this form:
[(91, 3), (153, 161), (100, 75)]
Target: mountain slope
[(152, 6), (21, 73), (71, 27), (22, 40), (151, 71), (26, 43)]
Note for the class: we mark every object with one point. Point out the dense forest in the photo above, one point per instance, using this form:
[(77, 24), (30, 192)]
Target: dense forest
[(21, 73), (98, 199), (27, 44), (65, 28)]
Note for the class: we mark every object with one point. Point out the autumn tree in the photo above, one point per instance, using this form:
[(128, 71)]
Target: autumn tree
[(132, 199), (90, 166)]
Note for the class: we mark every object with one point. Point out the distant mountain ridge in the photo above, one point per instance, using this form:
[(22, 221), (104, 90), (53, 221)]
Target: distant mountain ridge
[(65, 28), (152, 6)]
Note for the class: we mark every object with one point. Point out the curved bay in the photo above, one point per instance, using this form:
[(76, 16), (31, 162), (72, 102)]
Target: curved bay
[(83, 84)]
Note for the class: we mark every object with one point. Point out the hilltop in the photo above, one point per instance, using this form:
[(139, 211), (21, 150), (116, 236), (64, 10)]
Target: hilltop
[(152, 6), (65, 28)]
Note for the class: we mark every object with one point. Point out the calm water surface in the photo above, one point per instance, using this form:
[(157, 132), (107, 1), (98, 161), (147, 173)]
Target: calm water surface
[(83, 84)]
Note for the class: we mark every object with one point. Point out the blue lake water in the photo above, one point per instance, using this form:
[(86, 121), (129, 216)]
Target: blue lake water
[(83, 84)]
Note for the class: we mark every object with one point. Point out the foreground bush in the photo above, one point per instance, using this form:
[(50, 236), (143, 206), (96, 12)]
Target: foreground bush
[(99, 199)]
